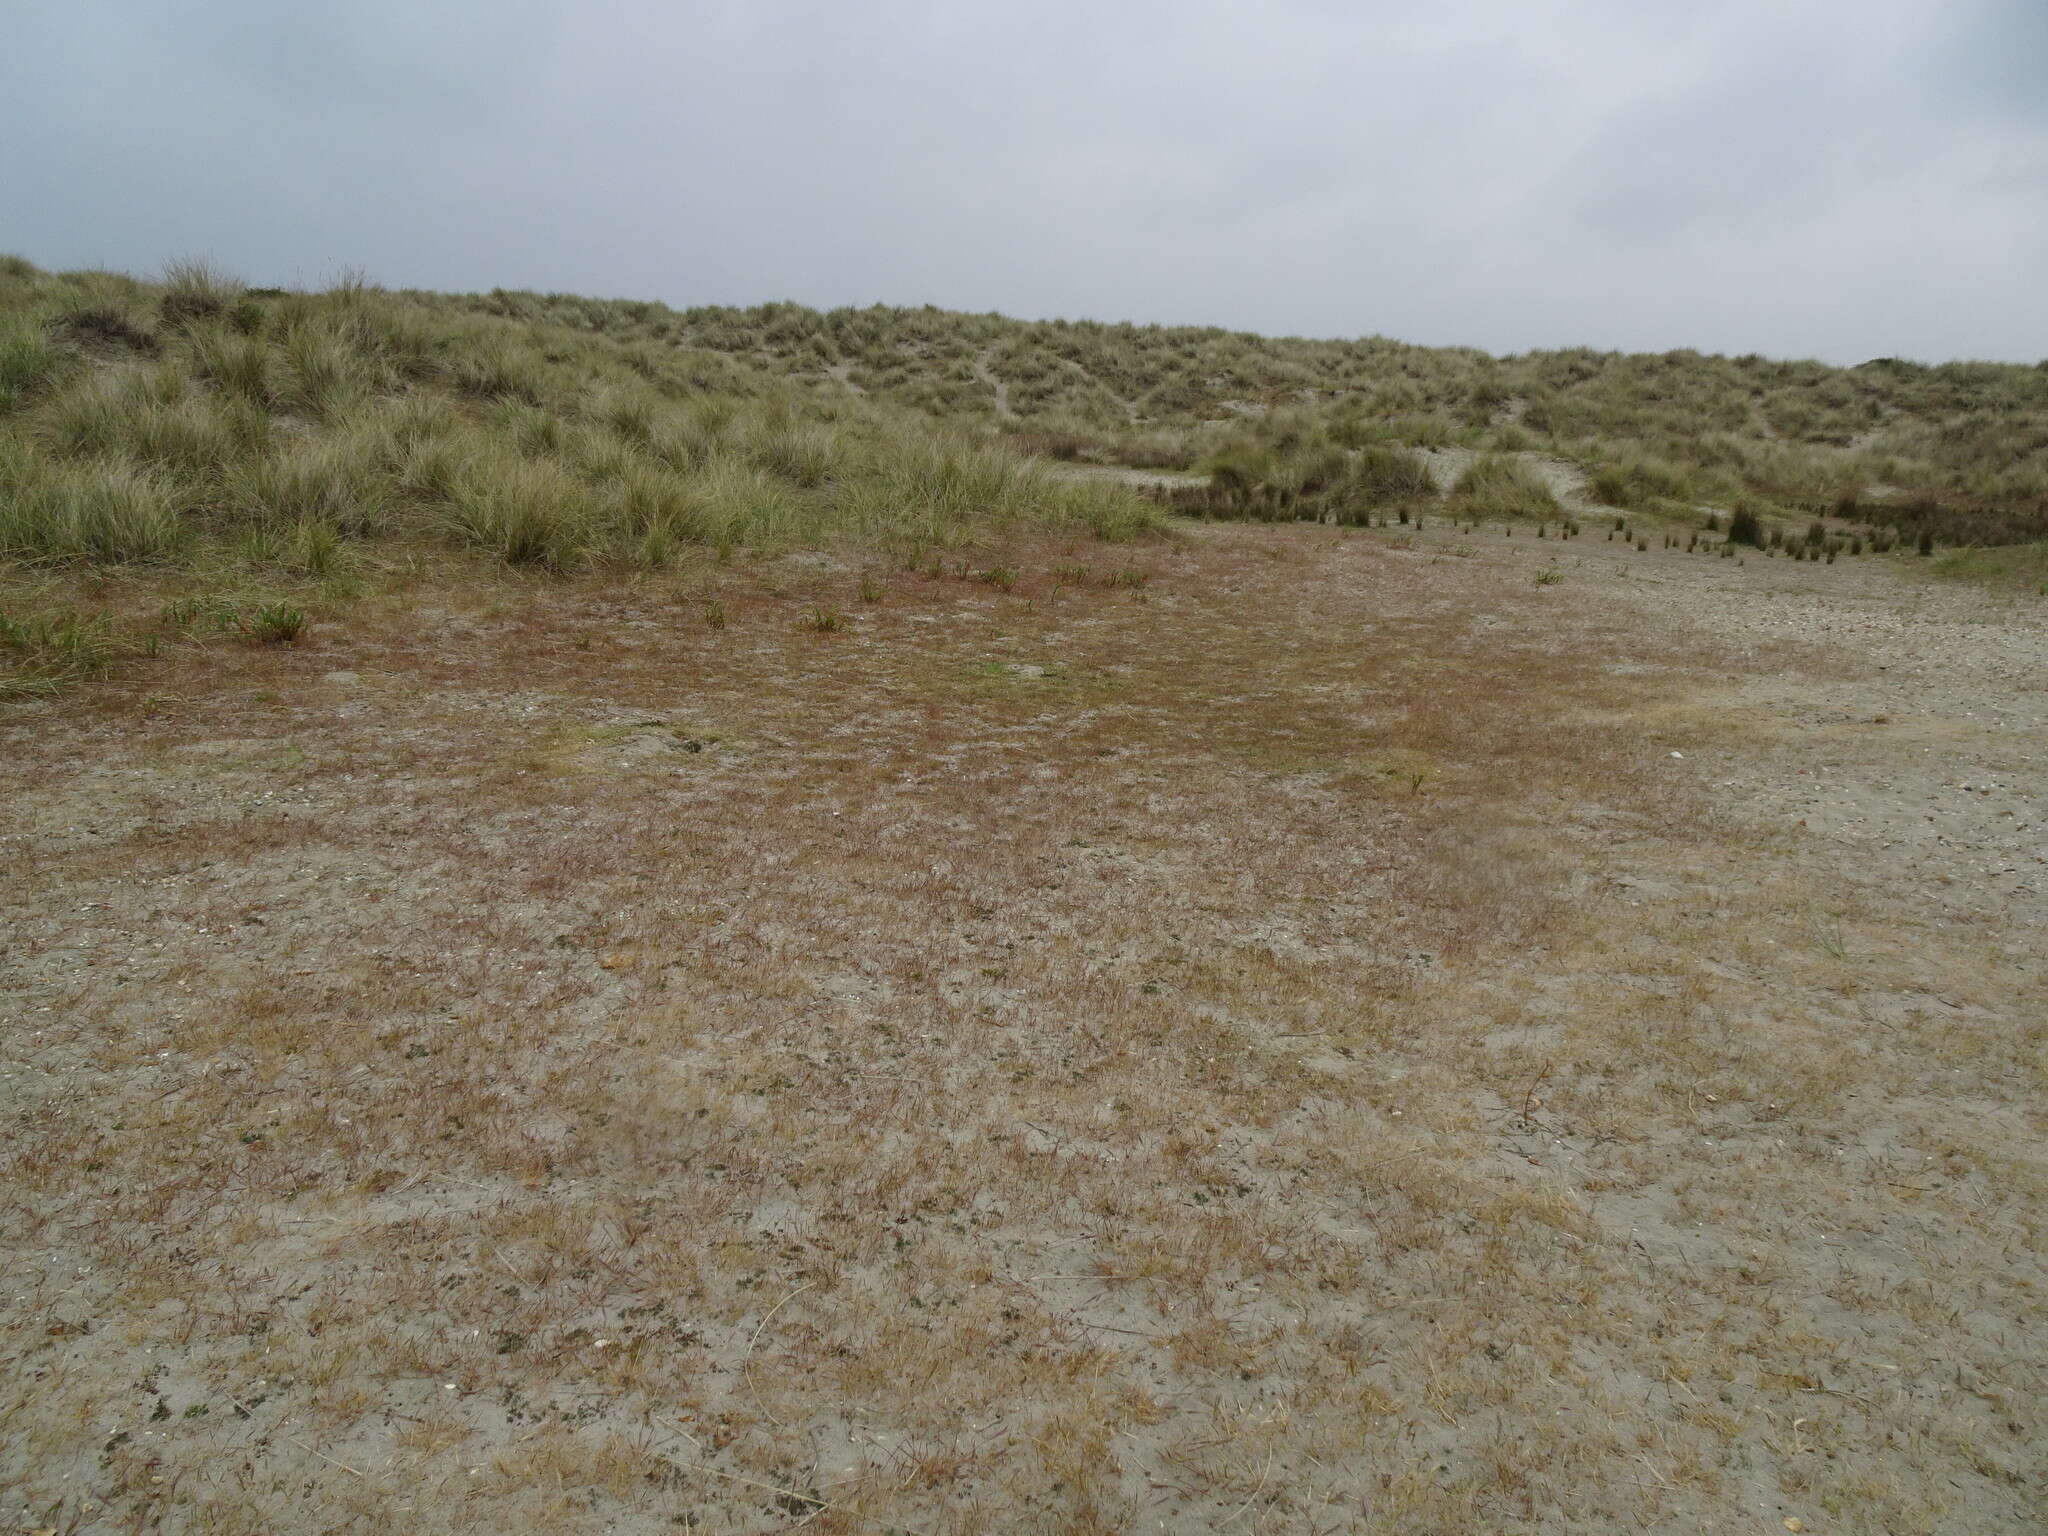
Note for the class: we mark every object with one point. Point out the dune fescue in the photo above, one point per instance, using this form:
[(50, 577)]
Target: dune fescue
[(650, 499), (111, 331), (98, 416), (629, 412), (429, 470), (806, 456), (732, 503), (938, 487), (196, 436)]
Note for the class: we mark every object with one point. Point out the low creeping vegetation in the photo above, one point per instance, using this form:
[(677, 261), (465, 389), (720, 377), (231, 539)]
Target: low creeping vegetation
[(2021, 567)]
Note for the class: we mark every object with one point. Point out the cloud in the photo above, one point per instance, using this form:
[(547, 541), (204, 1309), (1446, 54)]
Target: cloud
[(1845, 179), (1996, 59)]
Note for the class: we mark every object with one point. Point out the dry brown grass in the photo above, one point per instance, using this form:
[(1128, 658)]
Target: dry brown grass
[(1268, 1049)]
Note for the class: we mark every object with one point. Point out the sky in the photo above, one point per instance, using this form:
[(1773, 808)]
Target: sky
[(1842, 179)]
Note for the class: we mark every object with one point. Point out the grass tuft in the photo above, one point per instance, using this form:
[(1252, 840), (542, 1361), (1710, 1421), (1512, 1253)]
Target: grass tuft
[(1497, 486), (47, 653), (100, 510), (28, 358), (274, 624), (522, 511), (194, 289)]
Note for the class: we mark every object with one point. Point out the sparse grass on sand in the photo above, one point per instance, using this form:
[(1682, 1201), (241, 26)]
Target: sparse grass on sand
[(1270, 1030), (2013, 567)]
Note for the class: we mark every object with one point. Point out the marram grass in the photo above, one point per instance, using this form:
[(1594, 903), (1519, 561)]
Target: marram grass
[(148, 422)]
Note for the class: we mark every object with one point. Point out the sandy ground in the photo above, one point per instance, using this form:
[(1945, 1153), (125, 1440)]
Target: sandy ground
[(1343, 1036), (999, 390)]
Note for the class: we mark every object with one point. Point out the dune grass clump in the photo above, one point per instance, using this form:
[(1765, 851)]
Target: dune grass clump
[(1745, 527), (338, 482), (194, 289), (1380, 475), (521, 511), (28, 356), (274, 624), (1496, 486), (99, 510), (1310, 478), (1639, 481)]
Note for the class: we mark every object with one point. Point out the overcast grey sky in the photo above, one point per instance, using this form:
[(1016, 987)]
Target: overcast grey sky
[(1832, 178)]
